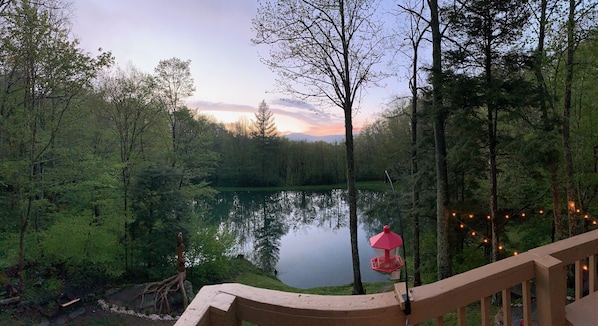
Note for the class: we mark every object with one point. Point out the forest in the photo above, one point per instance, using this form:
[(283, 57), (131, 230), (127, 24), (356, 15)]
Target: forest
[(101, 165)]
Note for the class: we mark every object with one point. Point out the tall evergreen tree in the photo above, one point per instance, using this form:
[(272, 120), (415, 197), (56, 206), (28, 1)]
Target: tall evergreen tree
[(265, 135), (487, 31)]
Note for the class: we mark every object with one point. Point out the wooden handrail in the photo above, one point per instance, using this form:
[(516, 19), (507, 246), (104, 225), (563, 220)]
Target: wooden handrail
[(229, 304), (445, 296)]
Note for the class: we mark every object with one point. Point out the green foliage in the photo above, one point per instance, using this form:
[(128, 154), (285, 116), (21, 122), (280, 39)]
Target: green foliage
[(161, 212), (91, 245), (208, 254)]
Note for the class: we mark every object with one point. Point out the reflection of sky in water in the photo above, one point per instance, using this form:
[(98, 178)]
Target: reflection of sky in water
[(315, 244), (312, 256)]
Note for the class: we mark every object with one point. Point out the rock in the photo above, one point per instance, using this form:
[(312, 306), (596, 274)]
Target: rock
[(61, 320), (48, 310), (77, 313), (44, 323)]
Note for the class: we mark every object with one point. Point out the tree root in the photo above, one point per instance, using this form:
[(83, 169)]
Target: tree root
[(162, 289)]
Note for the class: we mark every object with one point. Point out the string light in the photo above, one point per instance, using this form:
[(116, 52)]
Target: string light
[(485, 240)]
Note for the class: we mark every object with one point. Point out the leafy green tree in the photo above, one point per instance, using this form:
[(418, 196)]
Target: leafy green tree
[(577, 12), (196, 160), (131, 108), (210, 250), (161, 210), (43, 74), (326, 52)]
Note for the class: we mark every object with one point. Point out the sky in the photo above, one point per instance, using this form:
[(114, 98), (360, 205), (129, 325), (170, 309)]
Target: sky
[(215, 35)]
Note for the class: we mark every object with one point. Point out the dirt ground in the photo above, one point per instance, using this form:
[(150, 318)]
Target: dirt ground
[(112, 310)]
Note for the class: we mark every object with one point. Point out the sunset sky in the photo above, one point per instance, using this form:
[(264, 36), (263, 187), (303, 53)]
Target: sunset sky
[(215, 35)]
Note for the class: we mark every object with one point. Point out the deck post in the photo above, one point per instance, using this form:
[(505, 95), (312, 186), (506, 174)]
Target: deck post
[(551, 291)]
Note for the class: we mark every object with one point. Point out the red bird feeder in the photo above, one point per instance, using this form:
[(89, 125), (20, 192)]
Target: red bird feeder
[(387, 245)]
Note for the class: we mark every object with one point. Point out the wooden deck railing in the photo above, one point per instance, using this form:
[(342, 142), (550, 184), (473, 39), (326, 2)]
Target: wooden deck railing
[(545, 267)]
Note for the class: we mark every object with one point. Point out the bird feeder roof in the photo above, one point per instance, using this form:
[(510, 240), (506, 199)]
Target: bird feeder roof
[(386, 240)]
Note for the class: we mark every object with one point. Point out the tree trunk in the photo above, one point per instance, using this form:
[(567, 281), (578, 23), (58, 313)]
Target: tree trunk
[(572, 218), (442, 199), (556, 205), (547, 126), (414, 171), (352, 196)]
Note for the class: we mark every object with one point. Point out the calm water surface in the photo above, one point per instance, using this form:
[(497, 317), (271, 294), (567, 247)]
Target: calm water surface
[(301, 236)]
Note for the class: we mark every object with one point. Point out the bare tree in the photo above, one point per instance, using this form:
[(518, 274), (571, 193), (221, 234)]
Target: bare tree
[(440, 115), (417, 30), (325, 51), (174, 85)]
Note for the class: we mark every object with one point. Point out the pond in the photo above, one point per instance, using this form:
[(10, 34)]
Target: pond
[(301, 236)]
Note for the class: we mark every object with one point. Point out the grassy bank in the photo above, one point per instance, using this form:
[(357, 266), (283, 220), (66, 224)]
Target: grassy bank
[(244, 272)]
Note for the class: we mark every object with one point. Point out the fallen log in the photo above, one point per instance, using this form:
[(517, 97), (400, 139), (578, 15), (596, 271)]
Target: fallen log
[(10, 300)]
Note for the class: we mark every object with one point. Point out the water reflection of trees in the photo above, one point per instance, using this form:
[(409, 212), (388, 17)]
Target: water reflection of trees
[(259, 219)]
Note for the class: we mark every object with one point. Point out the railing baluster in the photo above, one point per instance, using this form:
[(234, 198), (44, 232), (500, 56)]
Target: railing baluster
[(592, 273), (485, 311), (578, 280), (440, 321), (527, 302), (462, 316), (506, 306)]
